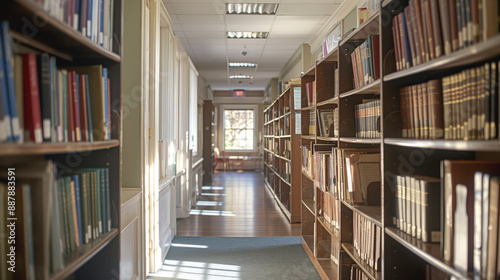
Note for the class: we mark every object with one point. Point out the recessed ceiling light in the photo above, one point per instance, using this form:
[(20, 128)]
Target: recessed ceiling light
[(246, 35), (242, 64), (251, 9), (240, 77)]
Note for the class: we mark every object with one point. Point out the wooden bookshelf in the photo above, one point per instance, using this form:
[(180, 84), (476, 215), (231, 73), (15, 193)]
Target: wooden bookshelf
[(281, 154), (403, 255), (100, 257)]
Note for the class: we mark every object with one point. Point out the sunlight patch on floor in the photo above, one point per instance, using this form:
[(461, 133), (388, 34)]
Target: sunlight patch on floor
[(198, 270)]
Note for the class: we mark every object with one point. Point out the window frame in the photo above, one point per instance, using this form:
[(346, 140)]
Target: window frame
[(255, 127)]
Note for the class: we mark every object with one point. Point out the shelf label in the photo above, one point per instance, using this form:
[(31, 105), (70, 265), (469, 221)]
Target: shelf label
[(296, 98), (298, 121)]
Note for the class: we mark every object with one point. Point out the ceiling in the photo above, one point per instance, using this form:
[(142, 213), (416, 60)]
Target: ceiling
[(201, 26)]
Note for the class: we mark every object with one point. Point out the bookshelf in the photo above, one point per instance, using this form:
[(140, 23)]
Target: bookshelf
[(281, 158), (42, 167), (333, 241), (208, 141)]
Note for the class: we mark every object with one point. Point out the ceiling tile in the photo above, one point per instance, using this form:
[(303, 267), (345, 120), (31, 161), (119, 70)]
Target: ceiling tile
[(298, 20), (203, 27), (197, 41), (248, 27), (200, 19), (205, 35), (284, 41), (249, 19), (243, 47), (306, 9), (198, 9)]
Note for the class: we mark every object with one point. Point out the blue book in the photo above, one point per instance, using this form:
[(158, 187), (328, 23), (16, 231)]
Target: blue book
[(107, 134), (76, 17), (101, 22), (90, 9), (8, 77), (89, 109), (76, 179), (406, 39), (5, 133)]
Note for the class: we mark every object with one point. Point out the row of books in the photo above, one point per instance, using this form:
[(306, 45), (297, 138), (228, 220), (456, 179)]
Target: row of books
[(93, 18), (312, 122), (286, 149), (53, 215), (328, 120), (307, 160), (463, 106), (471, 195), (427, 29), (422, 110), (39, 102), (365, 60), (367, 118), (331, 210), (310, 92), (325, 171), (416, 204), (22, 229), (367, 238)]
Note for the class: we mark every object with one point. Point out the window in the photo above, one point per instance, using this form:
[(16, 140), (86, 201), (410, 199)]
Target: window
[(239, 129)]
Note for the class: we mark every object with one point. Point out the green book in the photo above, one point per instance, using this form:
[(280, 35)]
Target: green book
[(100, 183), (107, 201), (63, 207), (70, 220), (84, 205)]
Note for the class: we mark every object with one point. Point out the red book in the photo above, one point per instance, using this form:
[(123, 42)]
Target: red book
[(83, 109), (76, 111), (69, 104), (32, 111)]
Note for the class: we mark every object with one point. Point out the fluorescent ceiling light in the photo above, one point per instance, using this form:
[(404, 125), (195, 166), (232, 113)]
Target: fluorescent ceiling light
[(251, 9), (242, 64), (246, 35), (240, 77)]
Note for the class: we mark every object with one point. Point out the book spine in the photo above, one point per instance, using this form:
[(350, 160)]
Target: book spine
[(77, 186), (445, 25), (45, 95), (452, 11), (430, 29), (435, 108), (76, 107), (33, 119), (69, 104), (8, 57)]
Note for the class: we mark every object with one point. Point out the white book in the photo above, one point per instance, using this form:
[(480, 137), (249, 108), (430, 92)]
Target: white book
[(461, 230)]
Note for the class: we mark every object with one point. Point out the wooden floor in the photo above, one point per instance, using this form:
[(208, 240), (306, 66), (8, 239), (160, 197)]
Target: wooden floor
[(237, 204)]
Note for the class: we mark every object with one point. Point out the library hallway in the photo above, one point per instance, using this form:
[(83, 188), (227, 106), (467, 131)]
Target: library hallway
[(237, 204)]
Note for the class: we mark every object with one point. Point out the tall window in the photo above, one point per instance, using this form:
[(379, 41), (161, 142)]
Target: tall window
[(239, 130), (193, 109)]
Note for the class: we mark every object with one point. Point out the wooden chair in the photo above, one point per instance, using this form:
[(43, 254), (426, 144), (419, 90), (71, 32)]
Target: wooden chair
[(218, 158)]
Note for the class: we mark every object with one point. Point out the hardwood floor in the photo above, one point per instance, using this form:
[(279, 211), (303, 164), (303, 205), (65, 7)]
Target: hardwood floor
[(237, 204)]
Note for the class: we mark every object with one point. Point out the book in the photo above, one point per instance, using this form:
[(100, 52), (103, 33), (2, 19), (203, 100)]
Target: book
[(456, 172), (32, 117), (97, 99), (7, 54), (45, 85)]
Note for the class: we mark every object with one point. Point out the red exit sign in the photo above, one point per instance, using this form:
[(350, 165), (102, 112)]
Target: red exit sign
[(239, 93)]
